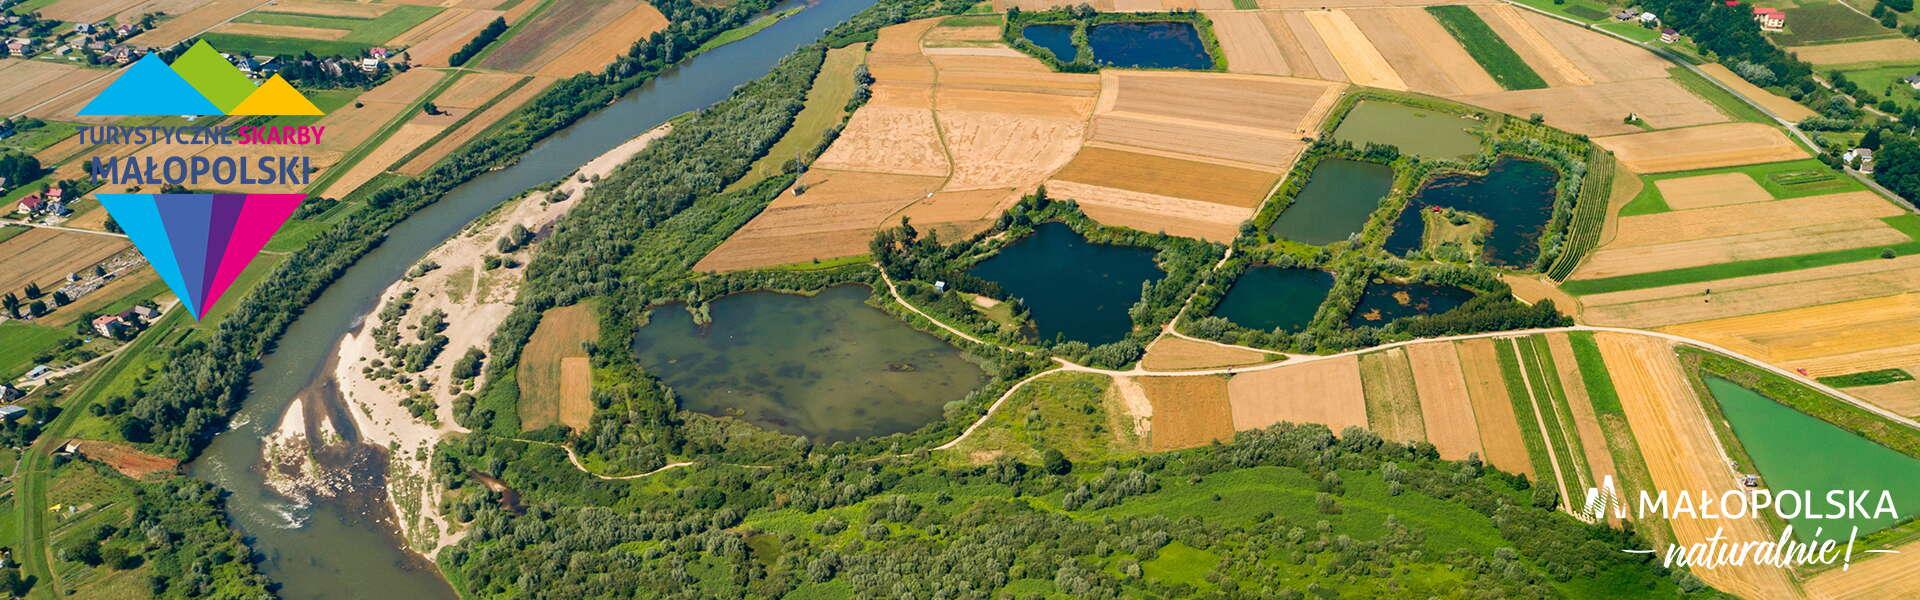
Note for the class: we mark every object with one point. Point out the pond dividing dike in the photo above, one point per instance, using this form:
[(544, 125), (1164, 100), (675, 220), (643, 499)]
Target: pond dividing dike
[(346, 547)]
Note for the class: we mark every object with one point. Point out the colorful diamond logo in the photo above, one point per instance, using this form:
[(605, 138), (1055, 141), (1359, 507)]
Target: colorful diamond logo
[(200, 82), (199, 243)]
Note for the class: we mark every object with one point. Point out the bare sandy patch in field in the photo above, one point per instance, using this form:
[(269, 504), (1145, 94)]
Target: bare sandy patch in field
[(433, 41), (1393, 404), (1188, 411), (1886, 50), (1446, 409), (1175, 353), (1780, 106), (1901, 397), (171, 31), (281, 31), (1358, 58), (474, 126), (329, 8), (1601, 109), (1682, 455), (1492, 409), (1858, 233), (1326, 391), (1702, 191), (1724, 221), (607, 43), (1830, 339), (1533, 47), (1249, 47), (1702, 147)]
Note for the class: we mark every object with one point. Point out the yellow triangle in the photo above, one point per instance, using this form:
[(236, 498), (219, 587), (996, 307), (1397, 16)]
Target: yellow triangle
[(275, 97)]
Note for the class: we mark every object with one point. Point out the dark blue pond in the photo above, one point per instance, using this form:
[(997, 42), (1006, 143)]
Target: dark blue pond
[(1055, 38), (1073, 287), (1339, 196), (1517, 195), (1267, 298), (1150, 45), (1385, 302)]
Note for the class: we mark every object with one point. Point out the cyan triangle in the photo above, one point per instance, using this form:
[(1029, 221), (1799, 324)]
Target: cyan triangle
[(149, 87), (185, 217), (138, 216)]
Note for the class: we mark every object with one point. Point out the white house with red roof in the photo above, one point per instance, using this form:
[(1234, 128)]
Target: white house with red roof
[(1771, 19)]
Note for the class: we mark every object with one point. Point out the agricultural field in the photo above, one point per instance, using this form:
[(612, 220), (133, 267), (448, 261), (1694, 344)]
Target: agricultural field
[(556, 380), (1708, 146), (272, 29), (1890, 50), (1175, 353), (1825, 22), (46, 256), (1079, 414), (1486, 47)]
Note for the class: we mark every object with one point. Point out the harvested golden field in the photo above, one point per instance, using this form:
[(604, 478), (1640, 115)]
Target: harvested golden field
[(1174, 177), (409, 137), (1824, 237), (1683, 455), (1601, 109), (1593, 440), (608, 42), (1248, 46), (474, 89), (474, 126), (1829, 339), (1153, 213), (1492, 409), (1532, 46), (1723, 221), (1294, 26), (947, 35), (552, 32), (1780, 106), (433, 41), (1701, 147), (1425, 55), (891, 139), (194, 22), (995, 149), (1884, 50), (1358, 58), (835, 217), (552, 391), (1188, 411), (1668, 305), (1702, 191), (1594, 55), (281, 31), (1446, 409), (1884, 576), (1175, 353), (46, 256), (1900, 397), (1265, 151), (1324, 391), (959, 214), (86, 11), (1254, 102), (30, 83), (1393, 403)]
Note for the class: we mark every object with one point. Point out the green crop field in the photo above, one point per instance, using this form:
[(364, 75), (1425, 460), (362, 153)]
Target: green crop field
[(1879, 377), (1816, 23), (375, 31), (1908, 224), (1783, 180), (25, 342), (1487, 48), (34, 140), (1722, 99), (1885, 82), (273, 46)]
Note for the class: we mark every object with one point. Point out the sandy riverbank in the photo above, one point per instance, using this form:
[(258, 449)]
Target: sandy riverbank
[(476, 300)]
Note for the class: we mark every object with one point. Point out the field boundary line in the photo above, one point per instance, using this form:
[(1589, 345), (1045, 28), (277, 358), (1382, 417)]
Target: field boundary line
[(1533, 400)]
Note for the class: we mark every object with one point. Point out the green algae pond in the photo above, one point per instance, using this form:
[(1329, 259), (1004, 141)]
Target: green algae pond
[(1072, 287), (1268, 298), (828, 366), (1339, 196), (1795, 451), (1418, 131)]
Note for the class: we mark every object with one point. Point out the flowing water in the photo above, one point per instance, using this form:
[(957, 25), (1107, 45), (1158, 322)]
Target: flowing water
[(345, 547), (828, 367)]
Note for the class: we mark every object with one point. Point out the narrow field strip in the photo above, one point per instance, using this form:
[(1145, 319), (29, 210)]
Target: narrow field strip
[(1486, 48), (1550, 399), (1532, 425)]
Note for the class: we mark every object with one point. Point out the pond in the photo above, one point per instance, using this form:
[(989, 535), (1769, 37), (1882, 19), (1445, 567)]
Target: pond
[(1055, 38), (1387, 301), (828, 367), (1268, 298), (1335, 203), (1149, 45), (1072, 287), (1516, 195), (1795, 451), (1418, 131)]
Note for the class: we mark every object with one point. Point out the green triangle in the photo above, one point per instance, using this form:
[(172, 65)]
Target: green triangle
[(217, 79)]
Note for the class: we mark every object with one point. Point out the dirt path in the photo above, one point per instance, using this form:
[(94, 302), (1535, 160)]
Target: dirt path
[(1553, 458)]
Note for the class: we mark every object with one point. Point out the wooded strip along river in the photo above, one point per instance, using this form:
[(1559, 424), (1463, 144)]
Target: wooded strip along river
[(345, 547)]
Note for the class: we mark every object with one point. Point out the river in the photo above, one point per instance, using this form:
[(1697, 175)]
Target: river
[(345, 547)]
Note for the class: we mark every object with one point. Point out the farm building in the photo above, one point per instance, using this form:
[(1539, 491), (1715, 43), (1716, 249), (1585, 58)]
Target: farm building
[(1771, 19), (1668, 36), (11, 412), (32, 203)]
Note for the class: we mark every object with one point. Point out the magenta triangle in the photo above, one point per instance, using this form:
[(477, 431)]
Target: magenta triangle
[(256, 218)]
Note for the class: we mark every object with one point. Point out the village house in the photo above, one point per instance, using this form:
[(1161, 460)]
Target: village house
[(1912, 81), (146, 313), (20, 46), (1668, 36), (8, 393), (1771, 19), (12, 412), (38, 371), (1648, 19), (107, 325), (32, 203), (1859, 159)]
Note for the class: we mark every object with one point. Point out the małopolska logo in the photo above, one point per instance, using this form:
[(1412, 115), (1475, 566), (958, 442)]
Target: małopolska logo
[(199, 83), (199, 243)]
